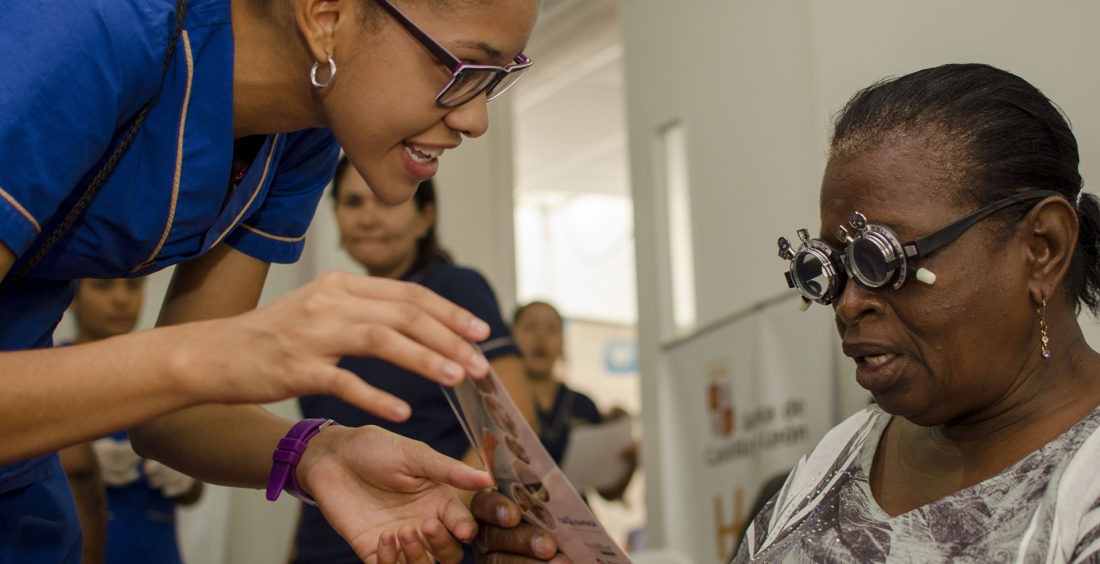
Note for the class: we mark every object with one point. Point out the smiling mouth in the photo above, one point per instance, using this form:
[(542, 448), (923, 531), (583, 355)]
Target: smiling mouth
[(422, 154)]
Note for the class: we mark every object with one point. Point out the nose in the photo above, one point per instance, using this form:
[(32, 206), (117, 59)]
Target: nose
[(854, 303), (470, 119), (119, 293), (367, 215)]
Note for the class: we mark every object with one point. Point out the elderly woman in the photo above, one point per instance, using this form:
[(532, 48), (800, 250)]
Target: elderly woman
[(956, 248)]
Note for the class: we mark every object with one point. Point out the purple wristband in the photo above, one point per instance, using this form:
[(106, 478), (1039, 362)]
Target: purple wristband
[(286, 457)]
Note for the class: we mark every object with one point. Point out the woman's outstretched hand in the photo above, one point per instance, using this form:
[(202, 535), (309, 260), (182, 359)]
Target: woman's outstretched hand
[(373, 485), (291, 346)]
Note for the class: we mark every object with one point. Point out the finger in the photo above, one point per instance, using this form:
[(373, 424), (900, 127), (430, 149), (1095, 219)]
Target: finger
[(413, 340), (458, 319), (443, 469), (345, 385), (492, 507), (498, 558), (524, 540), (445, 548), (412, 547), (387, 548)]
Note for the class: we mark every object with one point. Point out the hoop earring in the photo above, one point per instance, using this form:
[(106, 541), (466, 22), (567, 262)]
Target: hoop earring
[(1042, 311), (331, 73)]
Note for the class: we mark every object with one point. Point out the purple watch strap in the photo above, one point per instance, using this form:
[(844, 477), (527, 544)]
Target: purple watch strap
[(286, 456)]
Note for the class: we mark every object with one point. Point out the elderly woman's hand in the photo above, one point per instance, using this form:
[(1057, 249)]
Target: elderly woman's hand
[(503, 537)]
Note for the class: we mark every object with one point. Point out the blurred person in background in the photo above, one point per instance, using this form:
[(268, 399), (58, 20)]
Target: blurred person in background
[(399, 242), (539, 333), (141, 494)]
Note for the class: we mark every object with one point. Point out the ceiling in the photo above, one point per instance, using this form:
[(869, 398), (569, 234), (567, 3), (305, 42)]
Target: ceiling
[(569, 116)]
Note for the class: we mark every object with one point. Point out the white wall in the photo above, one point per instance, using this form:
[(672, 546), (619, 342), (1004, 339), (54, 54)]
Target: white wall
[(754, 83)]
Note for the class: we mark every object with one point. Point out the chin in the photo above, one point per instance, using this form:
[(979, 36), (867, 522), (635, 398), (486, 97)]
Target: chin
[(918, 415), (394, 194)]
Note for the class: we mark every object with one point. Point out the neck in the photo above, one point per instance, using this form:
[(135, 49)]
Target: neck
[(393, 272), (1049, 398), (271, 88), (544, 388)]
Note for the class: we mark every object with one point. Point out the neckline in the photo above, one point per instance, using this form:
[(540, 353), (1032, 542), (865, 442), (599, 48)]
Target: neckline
[(560, 409), (881, 422)]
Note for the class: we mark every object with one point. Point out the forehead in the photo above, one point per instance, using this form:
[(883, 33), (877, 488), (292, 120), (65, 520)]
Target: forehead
[(909, 184), (498, 29), (539, 313)]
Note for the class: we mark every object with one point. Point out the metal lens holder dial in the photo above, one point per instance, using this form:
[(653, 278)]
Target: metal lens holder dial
[(874, 255), (815, 269)]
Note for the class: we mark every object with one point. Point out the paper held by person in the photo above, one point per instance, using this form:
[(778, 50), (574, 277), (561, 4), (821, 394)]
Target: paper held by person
[(593, 458)]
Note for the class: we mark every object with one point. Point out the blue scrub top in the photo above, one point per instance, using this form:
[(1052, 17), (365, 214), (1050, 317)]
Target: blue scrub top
[(570, 408), (141, 523), (432, 420), (71, 84)]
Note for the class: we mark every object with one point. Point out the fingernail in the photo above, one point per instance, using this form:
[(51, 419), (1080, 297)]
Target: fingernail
[(453, 372), (479, 327), (478, 363), (401, 411), (502, 514), (541, 545)]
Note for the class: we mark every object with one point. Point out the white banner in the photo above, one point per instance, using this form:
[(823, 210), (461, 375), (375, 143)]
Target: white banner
[(748, 398)]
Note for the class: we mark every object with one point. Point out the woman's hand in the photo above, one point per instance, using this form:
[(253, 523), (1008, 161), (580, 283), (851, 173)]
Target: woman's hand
[(503, 537), (372, 484), (290, 347)]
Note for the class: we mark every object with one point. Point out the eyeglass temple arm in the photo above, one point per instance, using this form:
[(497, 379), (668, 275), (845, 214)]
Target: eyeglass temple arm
[(440, 53), (920, 247)]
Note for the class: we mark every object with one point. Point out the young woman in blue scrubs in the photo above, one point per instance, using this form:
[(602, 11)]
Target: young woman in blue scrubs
[(221, 180), (399, 242)]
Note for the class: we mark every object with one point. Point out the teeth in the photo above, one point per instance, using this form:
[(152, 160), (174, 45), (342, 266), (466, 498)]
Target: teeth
[(422, 154), (878, 360)]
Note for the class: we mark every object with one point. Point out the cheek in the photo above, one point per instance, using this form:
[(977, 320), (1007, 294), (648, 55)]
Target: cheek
[(969, 319), (378, 106), (345, 223)]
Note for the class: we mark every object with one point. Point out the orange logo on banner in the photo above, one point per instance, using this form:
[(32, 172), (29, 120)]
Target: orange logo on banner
[(719, 402), (732, 531)]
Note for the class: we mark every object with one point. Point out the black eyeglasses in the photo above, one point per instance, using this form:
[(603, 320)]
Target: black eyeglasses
[(875, 255), (467, 80)]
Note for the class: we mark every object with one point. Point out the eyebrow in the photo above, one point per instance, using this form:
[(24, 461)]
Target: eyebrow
[(489, 50)]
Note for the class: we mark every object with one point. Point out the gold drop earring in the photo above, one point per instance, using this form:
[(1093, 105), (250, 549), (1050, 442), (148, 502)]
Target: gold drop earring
[(1042, 311)]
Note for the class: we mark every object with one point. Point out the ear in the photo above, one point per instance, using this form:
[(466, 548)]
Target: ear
[(317, 21), (1050, 233)]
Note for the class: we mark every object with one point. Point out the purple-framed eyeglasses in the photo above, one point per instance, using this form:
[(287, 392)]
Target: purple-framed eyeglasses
[(467, 80)]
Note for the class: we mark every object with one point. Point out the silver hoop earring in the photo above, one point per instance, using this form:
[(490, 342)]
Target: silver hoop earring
[(331, 73)]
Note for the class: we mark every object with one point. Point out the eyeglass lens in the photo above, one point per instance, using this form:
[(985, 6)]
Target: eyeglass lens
[(470, 82), (811, 275), (868, 263)]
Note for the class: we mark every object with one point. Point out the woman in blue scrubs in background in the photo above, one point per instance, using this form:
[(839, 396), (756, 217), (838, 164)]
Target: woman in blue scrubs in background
[(399, 242), (222, 179)]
